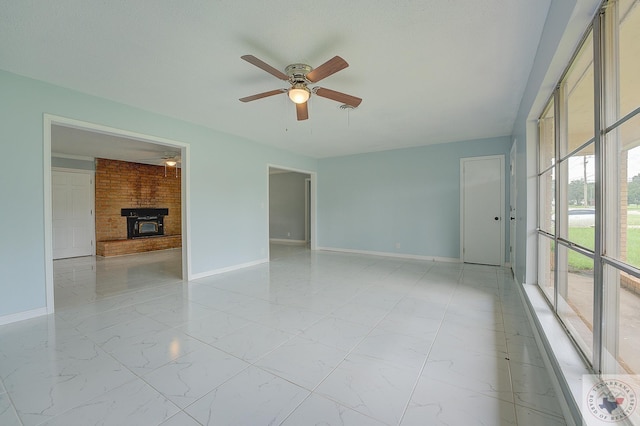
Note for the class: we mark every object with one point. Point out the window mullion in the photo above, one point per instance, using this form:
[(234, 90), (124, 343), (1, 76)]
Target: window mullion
[(560, 109), (612, 202), (598, 290)]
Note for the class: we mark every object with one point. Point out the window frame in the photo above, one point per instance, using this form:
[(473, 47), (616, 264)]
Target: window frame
[(603, 33)]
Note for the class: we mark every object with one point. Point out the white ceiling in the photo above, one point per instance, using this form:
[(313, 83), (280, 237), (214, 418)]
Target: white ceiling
[(78, 143), (428, 71)]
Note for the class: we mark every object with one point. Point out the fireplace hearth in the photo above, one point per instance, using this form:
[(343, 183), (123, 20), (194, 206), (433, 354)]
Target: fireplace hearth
[(144, 222)]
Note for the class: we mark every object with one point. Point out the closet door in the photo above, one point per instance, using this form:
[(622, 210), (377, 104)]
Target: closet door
[(73, 226)]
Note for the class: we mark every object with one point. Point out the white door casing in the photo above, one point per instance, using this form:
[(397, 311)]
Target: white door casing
[(482, 210), (513, 196), (307, 210), (72, 213)]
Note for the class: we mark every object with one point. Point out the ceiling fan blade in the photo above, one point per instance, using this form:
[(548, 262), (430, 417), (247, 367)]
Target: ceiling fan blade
[(302, 111), (332, 66), (263, 95), (266, 67), (338, 96)]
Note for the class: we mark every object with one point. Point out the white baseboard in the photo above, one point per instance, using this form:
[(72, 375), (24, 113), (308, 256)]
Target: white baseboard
[(285, 241), (21, 316), (227, 269), (396, 255)]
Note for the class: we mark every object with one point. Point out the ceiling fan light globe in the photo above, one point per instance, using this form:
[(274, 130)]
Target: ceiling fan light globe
[(299, 95), (171, 163)]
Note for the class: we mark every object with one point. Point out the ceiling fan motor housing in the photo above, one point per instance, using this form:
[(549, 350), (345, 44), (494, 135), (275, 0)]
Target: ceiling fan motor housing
[(298, 72)]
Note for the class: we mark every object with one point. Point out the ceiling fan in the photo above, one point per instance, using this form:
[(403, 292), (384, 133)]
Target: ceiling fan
[(167, 158), (171, 159), (300, 76)]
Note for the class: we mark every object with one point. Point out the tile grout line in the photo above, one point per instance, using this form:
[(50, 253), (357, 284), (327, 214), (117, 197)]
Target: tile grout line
[(426, 358), (510, 361), (508, 357), (313, 391)]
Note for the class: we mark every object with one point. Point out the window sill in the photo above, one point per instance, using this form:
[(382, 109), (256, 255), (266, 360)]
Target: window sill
[(566, 366)]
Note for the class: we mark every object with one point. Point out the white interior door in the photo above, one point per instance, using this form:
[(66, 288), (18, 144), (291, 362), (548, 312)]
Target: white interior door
[(482, 201), (72, 205)]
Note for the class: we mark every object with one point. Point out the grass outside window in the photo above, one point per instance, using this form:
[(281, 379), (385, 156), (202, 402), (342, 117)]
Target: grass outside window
[(584, 236)]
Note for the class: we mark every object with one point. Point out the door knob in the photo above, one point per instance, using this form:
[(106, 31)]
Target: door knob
[(496, 218), (512, 218)]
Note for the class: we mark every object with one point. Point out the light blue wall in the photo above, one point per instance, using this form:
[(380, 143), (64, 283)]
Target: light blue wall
[(370, 202), (229, 184), (566, 22)]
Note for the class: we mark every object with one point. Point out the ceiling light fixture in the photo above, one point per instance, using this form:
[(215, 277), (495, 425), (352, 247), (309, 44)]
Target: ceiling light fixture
[(168, 162), (299, 93)]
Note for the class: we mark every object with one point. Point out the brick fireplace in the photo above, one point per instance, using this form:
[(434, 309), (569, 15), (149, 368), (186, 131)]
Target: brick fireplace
[(133, 187)]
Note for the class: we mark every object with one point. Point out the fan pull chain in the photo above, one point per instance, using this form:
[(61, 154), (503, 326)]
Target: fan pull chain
[(310, 124), (285, 102), (165, 170)]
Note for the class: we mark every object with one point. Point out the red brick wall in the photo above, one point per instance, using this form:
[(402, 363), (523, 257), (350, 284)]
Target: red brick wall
[(121, 185), (138, 245)]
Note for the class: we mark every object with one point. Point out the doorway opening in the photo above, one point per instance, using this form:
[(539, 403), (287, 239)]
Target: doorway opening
[(291, 213), (115, 145)]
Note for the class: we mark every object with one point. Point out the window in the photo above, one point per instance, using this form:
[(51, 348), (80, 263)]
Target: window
[(627, 20), (589, 192), (578, 92), (546, 207)]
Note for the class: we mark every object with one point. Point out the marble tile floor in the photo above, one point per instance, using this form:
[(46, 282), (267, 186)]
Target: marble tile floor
[(309, 338)]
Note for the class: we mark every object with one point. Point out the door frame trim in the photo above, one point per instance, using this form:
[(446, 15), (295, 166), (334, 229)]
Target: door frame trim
[(307, 210), (513, 207), (48, 121), (502, 203)]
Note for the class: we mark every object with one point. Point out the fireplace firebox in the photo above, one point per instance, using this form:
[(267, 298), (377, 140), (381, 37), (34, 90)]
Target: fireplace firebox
[(144, 222)]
